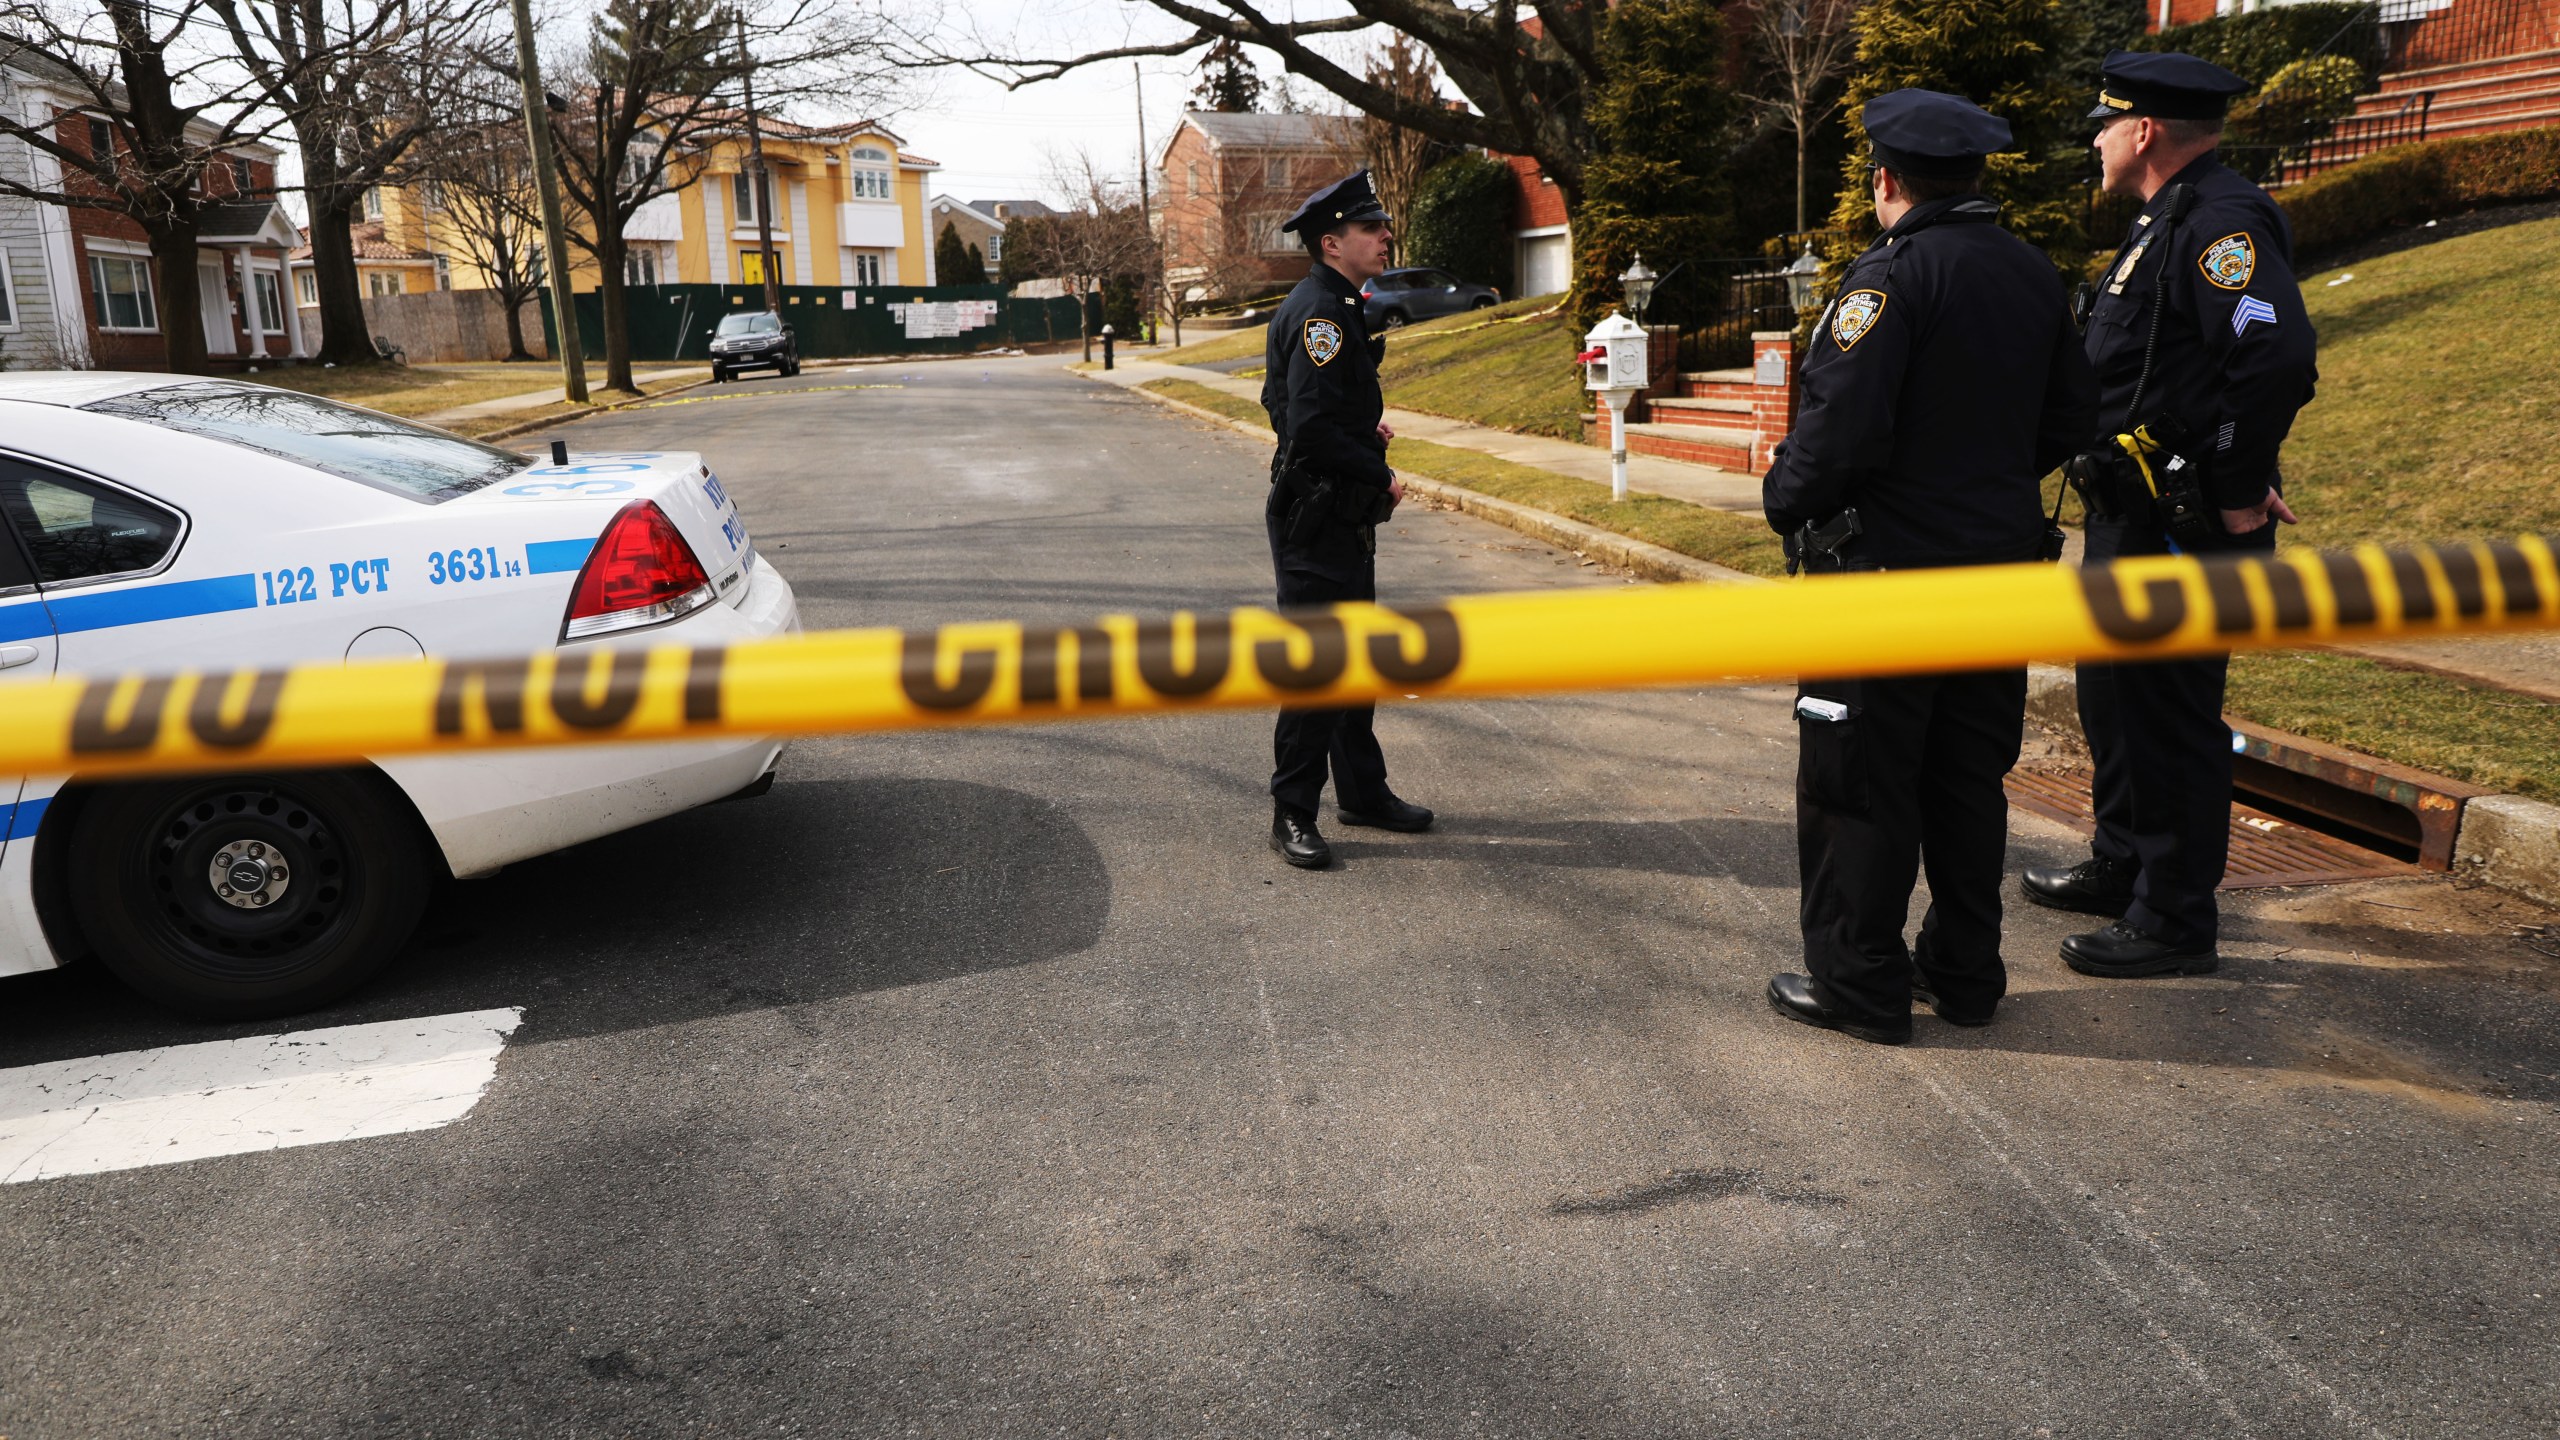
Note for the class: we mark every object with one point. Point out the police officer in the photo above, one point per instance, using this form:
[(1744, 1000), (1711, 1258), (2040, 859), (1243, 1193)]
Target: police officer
[(2204, 355), (1938, 389), (1330, 490)]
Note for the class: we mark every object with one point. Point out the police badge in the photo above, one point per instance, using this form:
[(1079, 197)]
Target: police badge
[(1856, 316), (2229, 261), (1324, 341)]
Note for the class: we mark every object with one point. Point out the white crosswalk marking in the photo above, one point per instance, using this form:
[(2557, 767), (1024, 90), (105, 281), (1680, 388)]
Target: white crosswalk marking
[(229, 1097)]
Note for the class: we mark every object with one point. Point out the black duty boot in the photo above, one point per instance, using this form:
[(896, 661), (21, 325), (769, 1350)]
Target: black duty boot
[(2121, 952), (1294, 835), (2095, 886), (1924, 993), (1792, 996), (1392, 814)]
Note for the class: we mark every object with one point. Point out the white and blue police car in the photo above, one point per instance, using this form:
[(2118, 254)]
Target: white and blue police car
[(157, 522)]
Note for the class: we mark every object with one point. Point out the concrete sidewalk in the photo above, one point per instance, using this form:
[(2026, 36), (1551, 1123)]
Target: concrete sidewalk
[(536, 399), (1652, 475)]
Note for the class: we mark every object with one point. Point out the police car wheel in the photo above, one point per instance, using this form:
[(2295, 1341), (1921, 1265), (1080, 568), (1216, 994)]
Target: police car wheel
[(243, 896)]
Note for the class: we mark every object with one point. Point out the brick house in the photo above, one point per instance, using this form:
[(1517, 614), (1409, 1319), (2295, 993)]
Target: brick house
[(1541, 237), (88, 276), (1225, 182)]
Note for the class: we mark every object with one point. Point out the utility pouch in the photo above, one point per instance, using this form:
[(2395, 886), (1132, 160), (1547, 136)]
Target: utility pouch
[(1823, 548), (1311, 512)]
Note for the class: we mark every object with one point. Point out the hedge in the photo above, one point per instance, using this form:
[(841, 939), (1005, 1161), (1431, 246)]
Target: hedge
[(2410, 183), (1461, 220), (2256, 44)]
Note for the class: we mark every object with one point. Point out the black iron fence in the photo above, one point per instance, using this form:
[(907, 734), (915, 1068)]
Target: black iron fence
[(1717, 302)]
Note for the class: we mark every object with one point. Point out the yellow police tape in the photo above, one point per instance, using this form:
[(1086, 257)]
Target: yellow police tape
[(1600, 639)]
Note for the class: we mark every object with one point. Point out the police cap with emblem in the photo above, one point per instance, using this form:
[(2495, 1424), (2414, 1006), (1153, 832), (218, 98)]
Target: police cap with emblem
[(2166, 87), (1340, 203), (1931, 136)]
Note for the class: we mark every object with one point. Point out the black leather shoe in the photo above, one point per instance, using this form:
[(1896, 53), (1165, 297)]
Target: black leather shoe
[(1792, 996), (1923, 993), (2095, 886), (1294, 835), (1392, 815), (2121, 952)]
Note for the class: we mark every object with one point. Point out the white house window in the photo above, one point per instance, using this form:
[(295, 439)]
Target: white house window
[(306, 287), (382, 282), (1273, 239), (995, 248), (8, 302), (742, 195), (373, 203), (240, 177), (431, 194), (270, 302), (866, 270), (1191, 177), (869, 174), (444, 273), (122, 287), (640, 266), (1275, 173), (102, 137)]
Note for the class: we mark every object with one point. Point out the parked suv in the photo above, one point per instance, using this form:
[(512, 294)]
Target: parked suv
[(1400, 297), (752, 340)]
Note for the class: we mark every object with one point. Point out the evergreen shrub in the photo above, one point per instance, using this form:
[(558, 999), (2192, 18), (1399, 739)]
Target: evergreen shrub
[(2411, 183), (1461, 221)]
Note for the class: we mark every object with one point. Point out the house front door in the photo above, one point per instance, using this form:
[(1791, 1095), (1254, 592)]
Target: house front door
[(214, 295)]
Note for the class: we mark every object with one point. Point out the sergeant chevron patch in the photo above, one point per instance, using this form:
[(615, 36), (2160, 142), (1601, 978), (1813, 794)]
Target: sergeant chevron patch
[(1856, 316), (2230, 261), (2251, 308), (1324, 341)]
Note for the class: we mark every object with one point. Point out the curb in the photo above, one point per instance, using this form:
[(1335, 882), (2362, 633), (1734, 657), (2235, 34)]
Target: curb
[(2513, 843), (1639, 557), (509, 432)]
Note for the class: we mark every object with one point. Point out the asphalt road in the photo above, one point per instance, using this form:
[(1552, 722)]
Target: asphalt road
[(1002, 1083)]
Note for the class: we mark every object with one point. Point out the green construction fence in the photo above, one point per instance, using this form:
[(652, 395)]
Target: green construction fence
[(673, 322)]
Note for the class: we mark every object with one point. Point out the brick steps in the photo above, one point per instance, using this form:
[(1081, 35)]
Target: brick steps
[(2441, 77), (1696, 444), (1699, 412)]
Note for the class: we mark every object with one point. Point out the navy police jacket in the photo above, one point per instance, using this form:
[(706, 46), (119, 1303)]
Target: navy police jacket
[(1320, 387), (1937, 391), (2235, 361)]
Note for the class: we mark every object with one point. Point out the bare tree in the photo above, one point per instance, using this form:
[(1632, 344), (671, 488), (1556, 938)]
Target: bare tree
[(169, 109), (1802, 47), (364, 82), (1101, 236), (1528, 70), (485, 173), (1398, 154), (660, 78)]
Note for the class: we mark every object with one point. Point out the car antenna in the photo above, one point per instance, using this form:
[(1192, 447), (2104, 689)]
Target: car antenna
[(559, 452)]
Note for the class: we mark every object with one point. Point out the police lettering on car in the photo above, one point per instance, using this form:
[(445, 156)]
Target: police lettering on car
[(1943, 383), (2204, 355), (1330, 491)]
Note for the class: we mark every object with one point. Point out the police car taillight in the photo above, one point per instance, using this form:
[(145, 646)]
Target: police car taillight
[(640, 573)]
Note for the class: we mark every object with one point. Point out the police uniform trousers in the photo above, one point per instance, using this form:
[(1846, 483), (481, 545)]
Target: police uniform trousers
[(1910, 779), (1307, 743), (2163, 756)]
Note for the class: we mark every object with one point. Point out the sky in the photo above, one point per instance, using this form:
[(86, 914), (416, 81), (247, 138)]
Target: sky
[(996, 144)]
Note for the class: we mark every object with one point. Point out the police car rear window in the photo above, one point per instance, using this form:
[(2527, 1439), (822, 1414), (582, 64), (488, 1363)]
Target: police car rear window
[(377, 450)]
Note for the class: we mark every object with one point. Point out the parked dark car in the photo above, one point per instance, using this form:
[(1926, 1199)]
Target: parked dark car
[(753, 340), (1401, 297)]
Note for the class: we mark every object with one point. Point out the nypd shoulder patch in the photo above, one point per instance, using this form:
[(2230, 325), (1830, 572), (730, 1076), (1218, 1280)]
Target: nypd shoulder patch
[(1855, 315), (1324, 341), (2229, 261)]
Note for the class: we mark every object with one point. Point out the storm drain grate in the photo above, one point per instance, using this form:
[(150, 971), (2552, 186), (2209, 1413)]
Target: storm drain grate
[(2265, 851)]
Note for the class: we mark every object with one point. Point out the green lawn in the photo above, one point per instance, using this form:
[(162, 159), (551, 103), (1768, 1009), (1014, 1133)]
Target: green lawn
[(2490, 737), (415, 390), (2439, 393), (1739, 542)]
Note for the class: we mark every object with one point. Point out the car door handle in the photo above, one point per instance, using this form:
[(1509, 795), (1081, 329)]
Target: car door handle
[(13, 656)]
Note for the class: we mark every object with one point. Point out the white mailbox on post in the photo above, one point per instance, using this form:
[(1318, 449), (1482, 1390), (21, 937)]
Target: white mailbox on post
[(1617, 363)]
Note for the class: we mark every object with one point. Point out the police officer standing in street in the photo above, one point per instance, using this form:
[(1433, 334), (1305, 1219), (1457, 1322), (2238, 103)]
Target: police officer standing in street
[(1330, 490), (1937, 391), (2204, 355)]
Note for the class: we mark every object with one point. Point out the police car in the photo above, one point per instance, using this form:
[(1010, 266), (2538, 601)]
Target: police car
[(162, 522)]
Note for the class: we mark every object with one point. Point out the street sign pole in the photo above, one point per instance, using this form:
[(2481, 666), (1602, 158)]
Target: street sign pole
[(555, 239)]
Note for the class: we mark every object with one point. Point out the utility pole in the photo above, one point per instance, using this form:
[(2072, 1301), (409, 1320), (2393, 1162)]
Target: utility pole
[(1146, 208), (555, 239), (762, 180)]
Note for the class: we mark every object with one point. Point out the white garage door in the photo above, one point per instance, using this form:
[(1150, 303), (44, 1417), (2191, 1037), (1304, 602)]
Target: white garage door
[(1544, 268)]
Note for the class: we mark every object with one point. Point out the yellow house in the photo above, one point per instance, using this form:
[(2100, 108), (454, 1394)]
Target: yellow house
[(848, 207), (403, 247)]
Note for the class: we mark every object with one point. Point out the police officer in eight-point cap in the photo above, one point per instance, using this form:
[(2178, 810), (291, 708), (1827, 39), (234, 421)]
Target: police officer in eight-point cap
[(2204, 355), (1937, 390), (1330, 490)]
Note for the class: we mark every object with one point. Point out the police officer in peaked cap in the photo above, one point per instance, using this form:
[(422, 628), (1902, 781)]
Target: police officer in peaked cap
[(1939, 388), (1330, 491), (2204, 355)]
